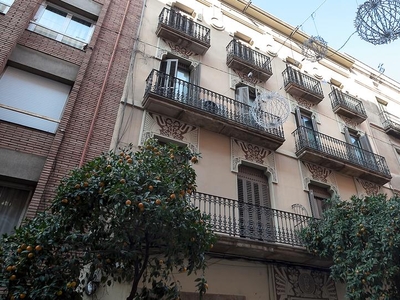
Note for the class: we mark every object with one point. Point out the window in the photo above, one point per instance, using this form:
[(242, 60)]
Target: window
[(14, 200), (308, 127), (245, 96), (317, 195), (179, 79), (255, 218), (360, 150), (31, 100), (59, 24), (5, 6)]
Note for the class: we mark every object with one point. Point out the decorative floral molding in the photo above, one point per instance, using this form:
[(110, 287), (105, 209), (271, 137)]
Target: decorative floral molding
[(254, 154), (298, 283), (245, 78), (318, 173), (303, 102), (170, 128), (370, 188), (179, 50), (349, 122), (315, 173)]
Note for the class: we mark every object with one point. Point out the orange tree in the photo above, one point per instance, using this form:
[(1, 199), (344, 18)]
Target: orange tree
[(126, 216), (362, 236)]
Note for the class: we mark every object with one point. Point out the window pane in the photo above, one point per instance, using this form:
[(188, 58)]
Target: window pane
[(32, 93), (7, 2), (12, 205), (53, 18), (78, 29)]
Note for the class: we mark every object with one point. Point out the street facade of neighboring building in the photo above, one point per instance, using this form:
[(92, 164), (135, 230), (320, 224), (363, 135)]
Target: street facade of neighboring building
[(63, 67), (200, 74)]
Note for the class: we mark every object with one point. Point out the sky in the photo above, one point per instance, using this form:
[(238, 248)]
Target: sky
[(334, 22)]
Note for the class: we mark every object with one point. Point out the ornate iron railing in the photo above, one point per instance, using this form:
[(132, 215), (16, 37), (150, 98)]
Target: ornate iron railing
[(185, 25), (338, 98), (308, 83), (245, 220), (257, 59), (390, 121), (200, 98), (306, 138)]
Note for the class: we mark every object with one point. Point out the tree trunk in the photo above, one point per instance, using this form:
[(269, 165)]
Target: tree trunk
[(139, 273)]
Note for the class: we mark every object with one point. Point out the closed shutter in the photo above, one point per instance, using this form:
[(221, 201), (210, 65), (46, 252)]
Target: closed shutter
[(195, 75), (255, 203), (242, 95), (369, 156), (347, 135), (168, 69), (297, 113)]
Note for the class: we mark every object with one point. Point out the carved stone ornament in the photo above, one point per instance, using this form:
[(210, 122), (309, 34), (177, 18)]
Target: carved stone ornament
[(316, 173), (245, 78), (175, 130), (299, 283), (349, 122), (370, 188), (253, 154), (303, 102), (164, 47)]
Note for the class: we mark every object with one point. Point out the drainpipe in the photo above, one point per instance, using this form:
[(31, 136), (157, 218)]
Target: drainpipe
[(96, 112)]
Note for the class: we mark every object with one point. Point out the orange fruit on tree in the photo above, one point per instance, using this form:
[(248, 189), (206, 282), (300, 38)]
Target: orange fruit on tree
[(13, 277), (31, 255), (77, 186), (129, 161), (172, 196), (38, 248), (64, 201), (151, 188), (86, 184), (73, 284), (22, 296), (23, 246), (19, 250), (194, 159), (9, 268), (128, 202), (141, 205), (29, 248), (122, 181), (158, 201)]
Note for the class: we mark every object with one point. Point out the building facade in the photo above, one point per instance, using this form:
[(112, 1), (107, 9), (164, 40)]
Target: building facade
[(63, 66), (200, 67), (192, 77)]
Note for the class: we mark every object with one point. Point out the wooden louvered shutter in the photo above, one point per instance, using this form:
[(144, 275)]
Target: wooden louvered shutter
[(297, 113), (254, 203)]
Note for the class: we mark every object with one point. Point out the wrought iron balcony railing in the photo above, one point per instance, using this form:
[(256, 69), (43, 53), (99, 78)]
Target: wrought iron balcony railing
[(206, 101), (251, 221), (302, 85), (183, 27), (333, 149), (391, 123), (347, 105), (246, 60)]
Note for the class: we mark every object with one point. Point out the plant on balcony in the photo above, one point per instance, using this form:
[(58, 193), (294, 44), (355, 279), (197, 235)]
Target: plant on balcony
[(362, 236), (123, 217)]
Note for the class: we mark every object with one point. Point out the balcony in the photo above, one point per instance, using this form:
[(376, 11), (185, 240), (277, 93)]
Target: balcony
[(246, 60), (337, 155), (256, 231), (198, 106), (391, 124), (183, 31), (302, 85), (347, 106)]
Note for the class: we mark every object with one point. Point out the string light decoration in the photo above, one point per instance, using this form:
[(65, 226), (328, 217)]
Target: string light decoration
[(378, 21), (314, 49), (270, 109)]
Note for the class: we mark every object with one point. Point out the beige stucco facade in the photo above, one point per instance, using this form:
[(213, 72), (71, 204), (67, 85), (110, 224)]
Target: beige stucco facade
[(258, 269)]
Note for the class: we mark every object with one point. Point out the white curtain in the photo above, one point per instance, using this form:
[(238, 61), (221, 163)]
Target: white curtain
[(12, 206)]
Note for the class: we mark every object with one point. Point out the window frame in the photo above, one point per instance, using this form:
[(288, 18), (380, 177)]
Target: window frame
[(62, 36), (5, 6), (18, 186)]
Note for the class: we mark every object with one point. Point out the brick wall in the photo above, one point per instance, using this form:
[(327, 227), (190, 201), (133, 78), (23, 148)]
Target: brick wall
[(64, 148)]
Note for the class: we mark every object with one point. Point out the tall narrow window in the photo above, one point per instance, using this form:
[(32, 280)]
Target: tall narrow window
[(318, 195), (308, 128), (14, 200), (360, 151), (255, 217)]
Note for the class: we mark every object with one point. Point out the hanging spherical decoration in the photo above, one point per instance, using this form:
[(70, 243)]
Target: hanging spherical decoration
[(270, 109), (314, 49), (378, 21)]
